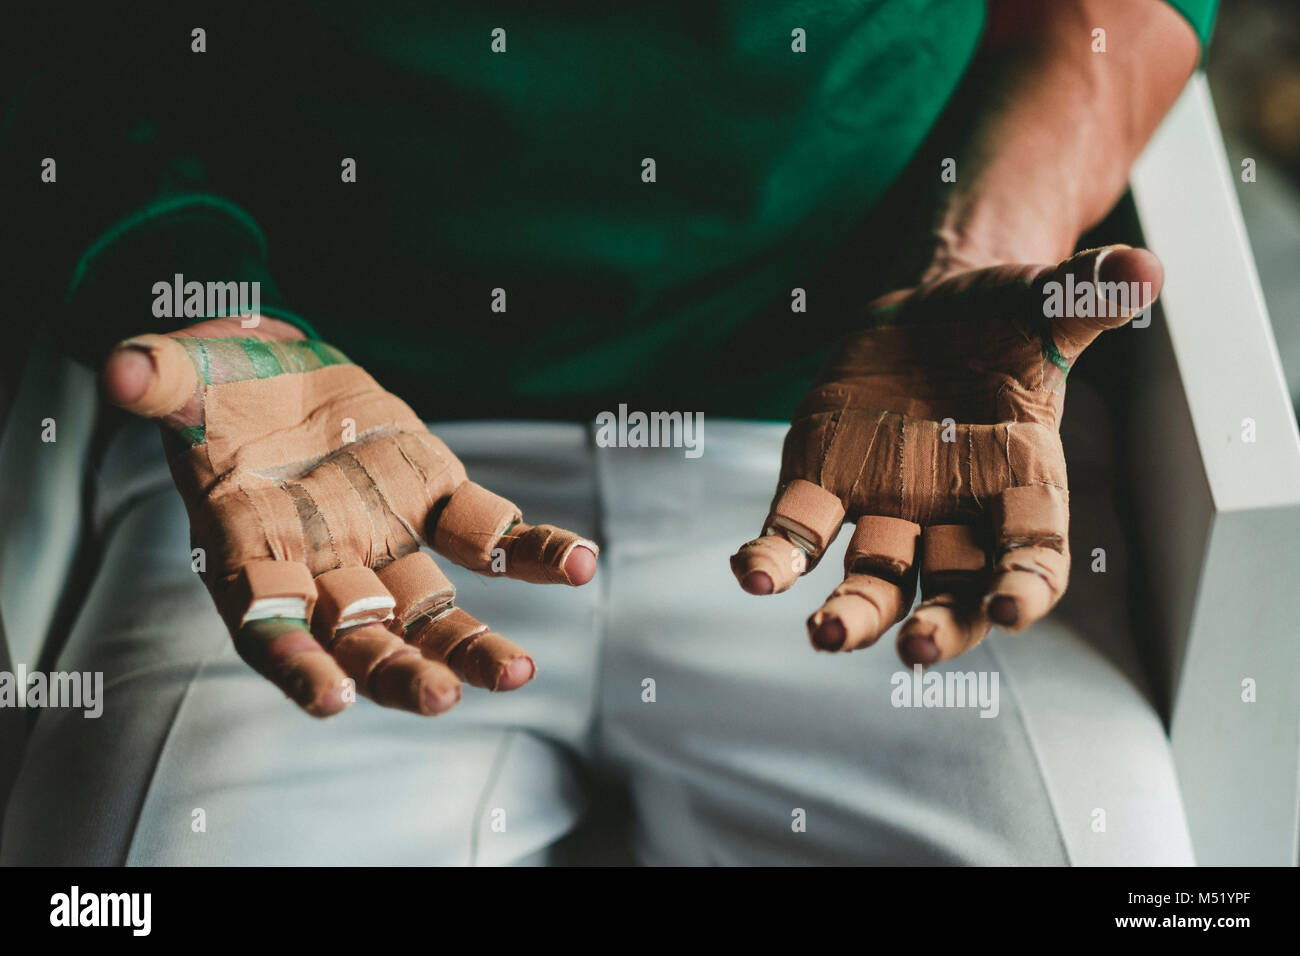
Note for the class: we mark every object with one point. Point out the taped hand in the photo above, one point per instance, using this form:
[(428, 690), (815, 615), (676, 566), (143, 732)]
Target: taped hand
[(936, 431), (310, 490)]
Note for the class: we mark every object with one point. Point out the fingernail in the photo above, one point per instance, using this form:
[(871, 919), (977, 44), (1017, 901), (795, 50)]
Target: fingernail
[(1102, 257), (1133, 297), (580, 565), (437, 700), (1002, 610), (134, 369), (515, 674), (827, 634), (757, 582), (918, 648)]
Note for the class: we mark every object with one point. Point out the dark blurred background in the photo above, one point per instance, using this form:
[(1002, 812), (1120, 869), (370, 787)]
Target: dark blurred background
[(1254, 70)]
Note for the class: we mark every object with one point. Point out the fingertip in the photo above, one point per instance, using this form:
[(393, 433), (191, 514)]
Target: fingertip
[(439, 698), (127, 374), (580, 565), (828, 634), (768, 565), (1003, 610), (330, 700), (150, 375), (1126, 264), (917, 647), (516, 673)]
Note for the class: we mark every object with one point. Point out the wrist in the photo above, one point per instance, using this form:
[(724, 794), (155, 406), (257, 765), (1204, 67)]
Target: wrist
[(980, 239)]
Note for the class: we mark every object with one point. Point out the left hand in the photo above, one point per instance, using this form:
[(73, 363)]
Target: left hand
[(936, 430)]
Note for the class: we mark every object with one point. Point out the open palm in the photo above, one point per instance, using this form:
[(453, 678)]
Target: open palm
[(310, 490), (934, 430)]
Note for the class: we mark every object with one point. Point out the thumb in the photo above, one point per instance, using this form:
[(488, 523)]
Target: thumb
[(146, 374), (150, 375), (1099, 289)]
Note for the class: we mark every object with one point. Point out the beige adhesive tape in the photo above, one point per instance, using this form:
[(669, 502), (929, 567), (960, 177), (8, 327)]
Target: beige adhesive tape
[(348, 597), (1035, 578), (471, 525), (885, 547), (1047, 564), (810, 515), (1031, 515), (362, 650), (175, 379), (775, 556), (356, 506), (884, 463), (437, 637), (948, 552), (948, 618), (480, 663), (418, 586), (265, 424), (237, 523), (324, 468), (865, 604), (265, 589), (484, 662), (538, 554), (944, 415)]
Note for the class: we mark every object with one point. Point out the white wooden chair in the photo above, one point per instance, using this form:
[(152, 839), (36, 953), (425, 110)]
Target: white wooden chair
[(1219, 516)]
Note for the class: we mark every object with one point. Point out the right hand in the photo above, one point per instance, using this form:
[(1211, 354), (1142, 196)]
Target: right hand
[(306, 482)]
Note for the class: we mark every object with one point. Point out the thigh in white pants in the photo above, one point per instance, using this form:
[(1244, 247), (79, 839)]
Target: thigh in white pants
[(750, 749)]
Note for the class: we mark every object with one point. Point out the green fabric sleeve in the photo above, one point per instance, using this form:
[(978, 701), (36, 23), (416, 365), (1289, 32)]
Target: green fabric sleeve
[(1200, 14), (200, 236)]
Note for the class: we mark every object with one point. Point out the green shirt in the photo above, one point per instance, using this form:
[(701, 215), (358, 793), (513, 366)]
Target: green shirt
[(773, 127)]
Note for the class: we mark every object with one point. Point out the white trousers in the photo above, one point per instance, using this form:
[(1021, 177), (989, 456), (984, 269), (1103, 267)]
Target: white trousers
[(754, 749)]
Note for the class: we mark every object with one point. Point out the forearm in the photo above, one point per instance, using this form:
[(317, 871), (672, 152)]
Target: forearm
[(1046, 150)]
